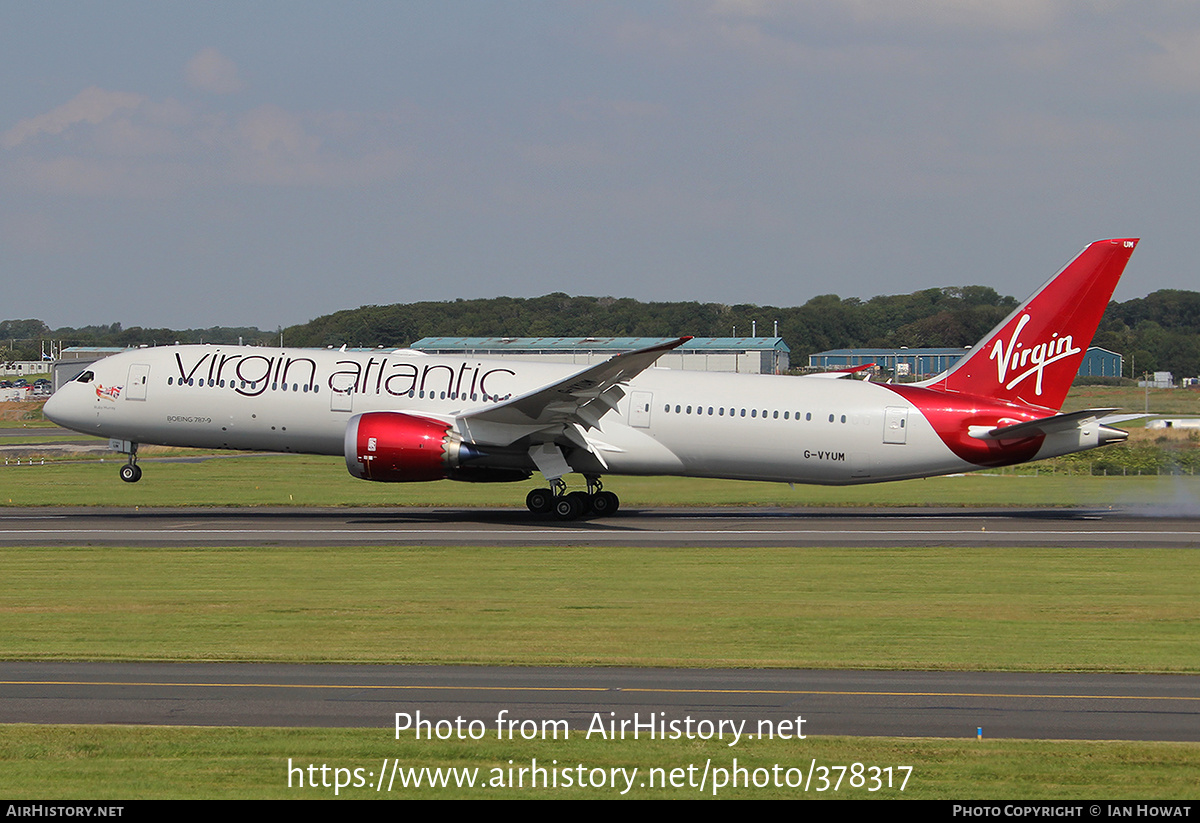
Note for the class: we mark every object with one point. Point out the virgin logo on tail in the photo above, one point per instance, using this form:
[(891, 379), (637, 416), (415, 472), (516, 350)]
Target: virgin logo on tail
[(1037, 357)]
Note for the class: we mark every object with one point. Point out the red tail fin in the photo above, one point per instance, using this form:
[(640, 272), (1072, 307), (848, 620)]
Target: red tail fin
[(1032, 357)]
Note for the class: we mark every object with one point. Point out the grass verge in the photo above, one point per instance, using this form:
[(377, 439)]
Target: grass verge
[(1017, 609), (123, 763)]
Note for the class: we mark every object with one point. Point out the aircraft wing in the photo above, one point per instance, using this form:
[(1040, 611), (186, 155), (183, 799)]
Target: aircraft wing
[(562, 411)]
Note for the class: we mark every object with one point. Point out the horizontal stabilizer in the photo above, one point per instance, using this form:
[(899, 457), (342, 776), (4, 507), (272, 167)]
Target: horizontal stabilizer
[(840, 373), (1044, 426), (1124, 418)]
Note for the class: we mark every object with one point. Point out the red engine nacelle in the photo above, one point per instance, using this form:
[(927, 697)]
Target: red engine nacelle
[(399, 448)]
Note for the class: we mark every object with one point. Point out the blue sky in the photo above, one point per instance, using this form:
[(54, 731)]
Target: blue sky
[(189, 165)]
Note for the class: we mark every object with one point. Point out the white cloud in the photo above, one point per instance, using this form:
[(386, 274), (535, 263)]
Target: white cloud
[(272, 146), (272, 130), (213, 72), (93, 105), (123, 144)]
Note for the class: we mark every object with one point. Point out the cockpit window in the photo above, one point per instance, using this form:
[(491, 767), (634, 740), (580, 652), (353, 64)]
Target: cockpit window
[(85, 377)]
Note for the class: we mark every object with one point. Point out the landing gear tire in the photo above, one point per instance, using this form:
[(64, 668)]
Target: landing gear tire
[(569, 506), (585, 502), (540, 501), (605, 504), (131, 473)]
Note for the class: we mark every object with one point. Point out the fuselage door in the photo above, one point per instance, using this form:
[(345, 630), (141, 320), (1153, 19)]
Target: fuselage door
[(139, 376), (639, 409), (342, 400), (895, 424)]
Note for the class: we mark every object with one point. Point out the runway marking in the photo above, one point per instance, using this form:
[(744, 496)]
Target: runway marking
[(593, 689)]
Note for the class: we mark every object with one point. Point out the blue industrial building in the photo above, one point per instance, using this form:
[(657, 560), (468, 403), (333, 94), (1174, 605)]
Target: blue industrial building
[(1100, 362), (922, 363)]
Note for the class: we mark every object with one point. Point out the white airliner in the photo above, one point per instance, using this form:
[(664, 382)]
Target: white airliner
[(403, 416)]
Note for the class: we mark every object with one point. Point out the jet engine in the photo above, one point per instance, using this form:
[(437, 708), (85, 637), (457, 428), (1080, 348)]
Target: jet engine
[(394, 447)]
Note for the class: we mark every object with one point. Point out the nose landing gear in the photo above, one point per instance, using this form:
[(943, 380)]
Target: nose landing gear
[(131, 472)]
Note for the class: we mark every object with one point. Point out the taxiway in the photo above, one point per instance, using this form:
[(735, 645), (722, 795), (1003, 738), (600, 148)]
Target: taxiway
[(865, 703)]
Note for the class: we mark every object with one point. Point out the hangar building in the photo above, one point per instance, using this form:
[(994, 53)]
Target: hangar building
[(748, 355)]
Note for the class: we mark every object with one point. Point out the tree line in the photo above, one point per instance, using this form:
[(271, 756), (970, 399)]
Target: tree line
[(1159, 332)]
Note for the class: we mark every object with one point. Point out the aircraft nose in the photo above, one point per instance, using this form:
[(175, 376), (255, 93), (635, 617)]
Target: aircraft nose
[(53, 408), (64, 409)]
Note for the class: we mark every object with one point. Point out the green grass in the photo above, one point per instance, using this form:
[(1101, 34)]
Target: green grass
[(123, 763), (305, 480), (932, 608), (1134, 399)]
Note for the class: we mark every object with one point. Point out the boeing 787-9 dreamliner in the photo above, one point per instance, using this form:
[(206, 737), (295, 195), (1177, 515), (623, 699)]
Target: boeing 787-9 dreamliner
[(401, 416)]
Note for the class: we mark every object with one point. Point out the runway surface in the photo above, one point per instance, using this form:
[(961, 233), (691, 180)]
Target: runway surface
[(1069, 706), (641, 527), (901, 704)]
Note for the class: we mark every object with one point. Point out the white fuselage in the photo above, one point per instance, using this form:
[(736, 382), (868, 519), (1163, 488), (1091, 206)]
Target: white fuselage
[(752, 427)]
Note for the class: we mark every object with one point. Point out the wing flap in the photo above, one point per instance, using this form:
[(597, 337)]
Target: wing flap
[(578, 400)]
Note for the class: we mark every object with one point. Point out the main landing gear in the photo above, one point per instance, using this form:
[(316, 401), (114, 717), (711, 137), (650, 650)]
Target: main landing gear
[(131, 472), (573, 505)]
